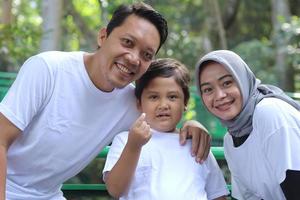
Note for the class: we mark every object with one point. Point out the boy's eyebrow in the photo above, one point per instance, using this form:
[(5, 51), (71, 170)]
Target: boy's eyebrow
[(219, 79)]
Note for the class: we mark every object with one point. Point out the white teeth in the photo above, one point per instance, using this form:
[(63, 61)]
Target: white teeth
[(123, 69)]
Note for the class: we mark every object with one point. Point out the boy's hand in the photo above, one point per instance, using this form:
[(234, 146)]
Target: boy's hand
[(200, 139), (139, 133)]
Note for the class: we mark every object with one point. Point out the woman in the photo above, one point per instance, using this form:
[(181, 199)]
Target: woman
[(262, 145)]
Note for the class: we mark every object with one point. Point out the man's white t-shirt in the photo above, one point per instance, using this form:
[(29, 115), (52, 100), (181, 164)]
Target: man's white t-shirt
[(166, 170), (259, 165), (65, 122)]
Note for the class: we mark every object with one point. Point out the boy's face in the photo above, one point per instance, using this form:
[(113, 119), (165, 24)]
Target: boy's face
[(125, 54), (163, 103)]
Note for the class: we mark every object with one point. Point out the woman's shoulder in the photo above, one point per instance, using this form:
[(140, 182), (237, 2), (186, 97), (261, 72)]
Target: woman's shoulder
[(272, 108), (273, 113)]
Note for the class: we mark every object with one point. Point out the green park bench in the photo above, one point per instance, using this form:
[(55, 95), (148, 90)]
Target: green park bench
[(213, 125), (6, 79)]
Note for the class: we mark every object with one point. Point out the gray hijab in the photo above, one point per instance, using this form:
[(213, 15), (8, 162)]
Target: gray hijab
[(251, 89)]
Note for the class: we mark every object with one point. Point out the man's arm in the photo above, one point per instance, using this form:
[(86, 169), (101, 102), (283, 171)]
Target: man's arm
[(119, 178), (200, 139), (8, 133)]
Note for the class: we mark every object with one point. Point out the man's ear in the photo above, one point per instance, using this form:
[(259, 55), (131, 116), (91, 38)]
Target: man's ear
[(102, 35)]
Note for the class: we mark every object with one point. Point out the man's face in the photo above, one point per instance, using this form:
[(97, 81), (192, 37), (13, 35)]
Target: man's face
[(127, 52)]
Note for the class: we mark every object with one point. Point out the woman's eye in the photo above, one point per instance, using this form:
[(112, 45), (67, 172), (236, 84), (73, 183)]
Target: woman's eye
[(206, 90), (227, 83)]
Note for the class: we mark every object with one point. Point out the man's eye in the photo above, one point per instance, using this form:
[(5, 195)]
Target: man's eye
[(148, 56), (127, 42)]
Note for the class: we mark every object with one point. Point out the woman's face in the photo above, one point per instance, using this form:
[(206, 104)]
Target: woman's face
[(220, 92)]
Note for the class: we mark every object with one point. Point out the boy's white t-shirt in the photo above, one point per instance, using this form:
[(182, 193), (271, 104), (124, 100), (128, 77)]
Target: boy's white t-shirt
[(166, 170), (65, 122), (259, 165)]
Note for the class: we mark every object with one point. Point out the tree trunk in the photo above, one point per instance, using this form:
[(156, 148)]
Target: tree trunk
[(229, 16), (6, 12), (220, 25), (280, 9), (51, 13)]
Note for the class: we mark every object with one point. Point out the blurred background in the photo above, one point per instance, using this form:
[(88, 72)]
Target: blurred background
[(265, 33)]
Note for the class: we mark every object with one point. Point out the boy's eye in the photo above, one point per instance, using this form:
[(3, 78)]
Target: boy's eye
[(153, 97), (173, 97)]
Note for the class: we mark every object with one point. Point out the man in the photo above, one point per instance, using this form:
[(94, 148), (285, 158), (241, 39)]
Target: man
[(64, 107)]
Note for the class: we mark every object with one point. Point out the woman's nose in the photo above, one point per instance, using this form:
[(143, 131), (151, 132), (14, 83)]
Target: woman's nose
[(220, 93)]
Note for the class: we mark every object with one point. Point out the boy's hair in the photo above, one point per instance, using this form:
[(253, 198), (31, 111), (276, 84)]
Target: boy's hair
[(165, 67), (141, 10)]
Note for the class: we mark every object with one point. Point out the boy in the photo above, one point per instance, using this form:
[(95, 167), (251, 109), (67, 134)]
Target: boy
[(147, 162)]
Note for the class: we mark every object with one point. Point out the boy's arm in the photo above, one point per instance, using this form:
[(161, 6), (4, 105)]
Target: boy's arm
[(8, 133), (200, 139), (119, 178)]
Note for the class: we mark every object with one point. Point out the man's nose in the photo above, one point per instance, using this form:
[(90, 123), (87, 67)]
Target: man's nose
[(133, 58)]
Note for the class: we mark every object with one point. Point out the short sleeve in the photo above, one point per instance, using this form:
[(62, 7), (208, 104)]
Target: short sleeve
[(237, 189), (282, 151), (115, 152), (215, 185), (28, 94)]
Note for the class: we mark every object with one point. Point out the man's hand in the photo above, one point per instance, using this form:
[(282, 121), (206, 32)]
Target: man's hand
[(200, 139), (139, 133)]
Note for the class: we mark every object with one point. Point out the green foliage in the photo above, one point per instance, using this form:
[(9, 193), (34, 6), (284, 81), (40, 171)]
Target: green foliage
[(17, 43), (20, 40), (290, 32), (259, 55), (89, 10)]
